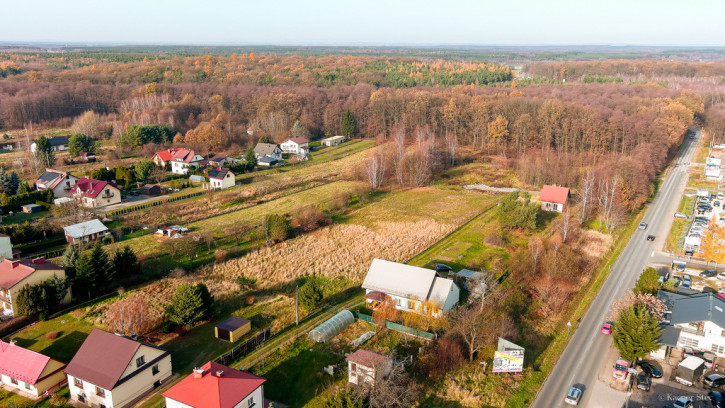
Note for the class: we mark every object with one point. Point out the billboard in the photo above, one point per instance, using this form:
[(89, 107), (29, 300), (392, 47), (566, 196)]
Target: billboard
[(508, 361)]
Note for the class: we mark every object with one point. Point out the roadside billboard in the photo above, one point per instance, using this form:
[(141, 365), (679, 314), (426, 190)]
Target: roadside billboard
[(508, 361)]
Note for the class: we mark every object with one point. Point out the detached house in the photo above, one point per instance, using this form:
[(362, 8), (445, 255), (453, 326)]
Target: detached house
[(14, 274), (95, 193), (28, 371), (57, 144), (296, 145), (216, 386), (113, 371), (267, 150), (59, 182), (85, 232), (554, 198), (365, 367), (161, 158), (407, 287), (221, 178), (183, 160), (696, 321)]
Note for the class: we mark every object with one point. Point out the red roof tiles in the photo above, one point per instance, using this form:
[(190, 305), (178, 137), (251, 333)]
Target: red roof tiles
[(554, 194), (89, 187), (215, 391), (367, 358), (22, 364), (13, 272)]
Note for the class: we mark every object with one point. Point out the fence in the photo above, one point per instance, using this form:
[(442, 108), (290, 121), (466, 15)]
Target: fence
[(245, 347), (155, 203), (50, 254), (397, 327)]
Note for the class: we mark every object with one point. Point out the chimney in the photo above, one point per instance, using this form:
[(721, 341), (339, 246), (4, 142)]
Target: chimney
[(13, 342), (15, 263), (198, 372), (219, 373), (39, 260)]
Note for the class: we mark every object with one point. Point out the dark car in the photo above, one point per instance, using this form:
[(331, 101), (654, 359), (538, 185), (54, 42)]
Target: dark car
[(716, 399), (443, 268), (708, 274), (650, 369), (643, 381), (650, 237), (714, 380)]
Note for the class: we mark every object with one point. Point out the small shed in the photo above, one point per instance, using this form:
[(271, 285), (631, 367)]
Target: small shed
[(151, 189), (232, 329), (267, 161), (194, 178), (32, 208)]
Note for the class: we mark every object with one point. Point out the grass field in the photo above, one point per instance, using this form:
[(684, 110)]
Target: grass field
[(21, 217), (678, 225), (337, 152)]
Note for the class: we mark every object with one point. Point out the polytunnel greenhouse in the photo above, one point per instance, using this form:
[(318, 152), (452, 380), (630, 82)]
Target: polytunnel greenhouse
[(331, 327)]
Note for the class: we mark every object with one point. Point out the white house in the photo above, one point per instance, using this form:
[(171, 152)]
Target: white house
[(696, 321), (183, 160), (333, 141), (296, 145), (267, 149), (28, 371), (367, 367), (408, 286), (221, 178), (57, 144), (85, 232), (217, 386), (58, 181), (95, 193), (113, 371)]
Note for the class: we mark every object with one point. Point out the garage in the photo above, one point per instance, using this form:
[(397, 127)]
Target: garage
[(232, 329)]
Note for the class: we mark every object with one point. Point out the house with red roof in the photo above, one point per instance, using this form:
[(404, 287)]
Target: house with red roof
[(296, 145), (58, 181), (554, 198), (184, 159), (217, 386), (367, 367), (17, 273), (161, 158), (27, 371), (95, 193), (114, 371)]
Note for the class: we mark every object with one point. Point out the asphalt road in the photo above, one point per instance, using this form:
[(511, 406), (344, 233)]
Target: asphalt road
[(587, 349)]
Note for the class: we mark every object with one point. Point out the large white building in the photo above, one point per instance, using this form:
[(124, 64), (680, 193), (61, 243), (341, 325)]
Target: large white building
[(696, 321), (408, 287), (296, 145)]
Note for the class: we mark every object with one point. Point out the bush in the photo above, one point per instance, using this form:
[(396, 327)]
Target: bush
[(168, 327), (310, 294), (310, 218), (51, 335), (220, 255)]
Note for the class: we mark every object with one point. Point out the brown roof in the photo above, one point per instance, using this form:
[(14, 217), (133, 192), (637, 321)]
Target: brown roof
[(102, 358), (300, 140), (367, 358)]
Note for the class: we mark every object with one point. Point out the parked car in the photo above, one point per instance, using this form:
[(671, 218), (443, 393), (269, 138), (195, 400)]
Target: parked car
[(721, 276), (644, 383), (650, 369), (679, 266), (607, 328), (642, 225), (443, 268), (686, 281), (708, 274), (682, 402), (716, 399), (716, 203), (681, 215), (714, 380), (573, 396), (650, 237)]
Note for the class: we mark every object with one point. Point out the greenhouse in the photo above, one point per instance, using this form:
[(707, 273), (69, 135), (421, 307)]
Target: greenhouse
[(331, 327)]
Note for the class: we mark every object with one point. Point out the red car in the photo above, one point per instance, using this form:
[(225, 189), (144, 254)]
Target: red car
[(607, 328)]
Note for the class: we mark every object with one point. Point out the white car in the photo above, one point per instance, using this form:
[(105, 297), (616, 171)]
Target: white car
[(681, 215), (721, 276), (573, 396), (642, 225)]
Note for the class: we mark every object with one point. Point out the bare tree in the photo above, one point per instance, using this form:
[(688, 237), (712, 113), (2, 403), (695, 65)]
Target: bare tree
[(585, 196), (609, 205), (536, 247), (130, 316), (374, 167), (565, 225), (396, 390), (237, 231), (451, 145), (399, 155)]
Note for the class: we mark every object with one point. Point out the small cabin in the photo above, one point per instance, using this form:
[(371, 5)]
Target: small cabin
[(151, 190), (232, 329), (32, 208)]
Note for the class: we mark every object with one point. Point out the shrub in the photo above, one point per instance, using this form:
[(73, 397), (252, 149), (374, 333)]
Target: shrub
[(310, 294), (220, 255), (494, 240), (310, 218), (168, 326), (51, 335)]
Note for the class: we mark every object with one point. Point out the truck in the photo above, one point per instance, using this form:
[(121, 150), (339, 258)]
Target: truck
[(689, 370)]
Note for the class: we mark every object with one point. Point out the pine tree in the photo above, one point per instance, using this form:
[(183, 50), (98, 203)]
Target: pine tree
[(187, 306), (70, 260), (101, 264), (348, 124), (310, 294), (648, 282), (636, 333), (206, 299), (44, 151), (5, 183), (298, 130), (86, 279), (14, 184), (250, 159)]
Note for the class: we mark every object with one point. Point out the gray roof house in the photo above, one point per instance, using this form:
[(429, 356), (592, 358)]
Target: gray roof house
[(406, 285), (696, 321), (267, 149), (85, 231)]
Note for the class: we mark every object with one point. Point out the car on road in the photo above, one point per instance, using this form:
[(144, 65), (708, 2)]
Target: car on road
[(606, 328), (717, 399), (681, 215), (686, 281), (650, 369), (644, 383), (650, 237), (714, 380), (573, 396), (642, 225), (708, 274), (443, 268)]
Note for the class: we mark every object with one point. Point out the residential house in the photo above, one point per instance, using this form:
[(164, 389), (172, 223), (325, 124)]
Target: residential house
[(174, 231), (57, 144), (217, 386), (554, 198), (14, 274), (58, 181), (267, 150), (184, 160), (85, 232), (408, 286), (8, 146), (28, 371), (333, 141), (113, 371), (365, 367), (296, 145), (95, 193), (696, 321), (221, 178), (163, 157), (219, 160)]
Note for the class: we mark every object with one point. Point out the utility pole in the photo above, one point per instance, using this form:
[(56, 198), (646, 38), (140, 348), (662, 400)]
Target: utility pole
[(297, 305)]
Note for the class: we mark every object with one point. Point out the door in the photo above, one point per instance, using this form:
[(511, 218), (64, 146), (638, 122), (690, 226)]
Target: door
[(223, 334)]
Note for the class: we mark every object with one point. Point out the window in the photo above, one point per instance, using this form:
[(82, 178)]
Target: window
[(411, 304), (717, 349), (100, 392), (722, 334), (140, 361), (353, 367), (250, 402), (684, 341), (397, 302), (101, 406), (155, 369), (77, 382), (14, 381), (28, 386)]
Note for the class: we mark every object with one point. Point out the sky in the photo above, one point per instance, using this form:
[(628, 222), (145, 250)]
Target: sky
[(365, 22)]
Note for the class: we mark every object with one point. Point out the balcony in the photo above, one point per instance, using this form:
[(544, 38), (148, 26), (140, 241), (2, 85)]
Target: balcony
[(693, 331), (108, 195)]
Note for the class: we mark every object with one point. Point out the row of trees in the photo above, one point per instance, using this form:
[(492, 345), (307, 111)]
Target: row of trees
[(95, 271)]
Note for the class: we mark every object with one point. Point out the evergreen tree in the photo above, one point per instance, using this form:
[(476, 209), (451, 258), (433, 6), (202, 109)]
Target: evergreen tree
[(125, 262), (5, 183), (143, 169), (264, 139), (70, 260), (250, 159), (44, 152), (516, 211), (14, 183), (101, 264), (24, 187), (648, 282), (187, 306), (32, 300), (206, 299), (298, 130), (636, 333), (276, 227), (310, 294), (80, 143), (86, 279), (348, 125)]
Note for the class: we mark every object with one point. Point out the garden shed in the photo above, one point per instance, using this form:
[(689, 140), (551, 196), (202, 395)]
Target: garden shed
[(332, 326), (151, 189), (32, 208), (232, 329)]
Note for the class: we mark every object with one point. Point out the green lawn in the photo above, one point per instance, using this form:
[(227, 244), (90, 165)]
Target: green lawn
[(677, 231), (20, 217), (336, 152), (7, 398)]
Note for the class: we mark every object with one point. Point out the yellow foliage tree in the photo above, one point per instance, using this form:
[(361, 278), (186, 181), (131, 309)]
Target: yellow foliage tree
[(713, 243), (498, 131)]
